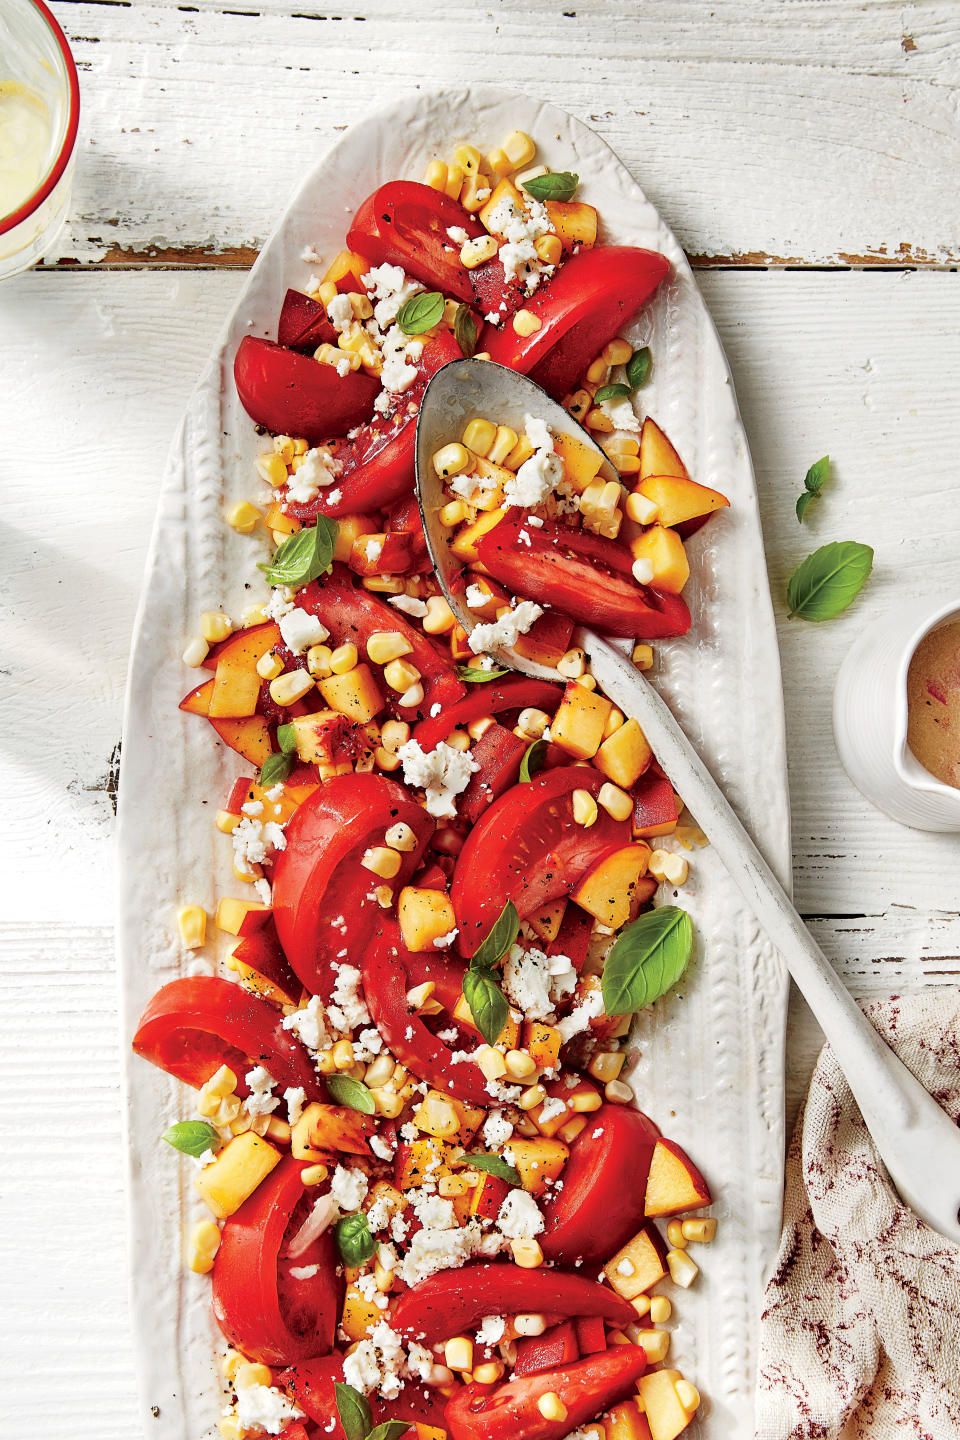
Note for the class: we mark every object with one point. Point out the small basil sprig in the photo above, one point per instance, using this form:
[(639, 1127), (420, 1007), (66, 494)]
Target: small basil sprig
[(481, 990), (611, 392), (304, 556), (287, 739), (476, 675), (276, 768), (357, 1421), (532, 760), (813, 482), (192, 1137), (353, 1238), (420, 313), (465, 330), (647, 959), (492, 1165), (829, 580), (352, 1093), (638, 367), (555, 185)]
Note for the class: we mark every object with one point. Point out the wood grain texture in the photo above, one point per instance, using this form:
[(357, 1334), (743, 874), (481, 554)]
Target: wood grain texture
[(816, 132)]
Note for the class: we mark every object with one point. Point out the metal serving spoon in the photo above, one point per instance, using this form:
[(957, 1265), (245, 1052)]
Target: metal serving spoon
[(917, 1141)]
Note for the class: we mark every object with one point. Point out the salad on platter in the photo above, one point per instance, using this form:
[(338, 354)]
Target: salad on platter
[(432, 1205)]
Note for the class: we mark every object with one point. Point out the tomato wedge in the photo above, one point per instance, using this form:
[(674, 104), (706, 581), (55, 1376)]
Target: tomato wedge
[(601, 289), (583, 575), (311, 1384), (323, 901), (387, 976), (512, 1412), (303, 323), (198, 1023), (490, 698), (378, 462), (263, 1308), (601, 1203), (292, 394), (529, 849), (405, 223), (453, 1302)]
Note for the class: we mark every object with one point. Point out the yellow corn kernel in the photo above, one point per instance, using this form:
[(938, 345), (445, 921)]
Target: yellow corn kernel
[(585, 809), (451, 514), (627, 464), (413, 697), (458, 740), (300, 447), (519, 1064), (683, 1269), (203, 1246), (243, 517), (253, 615), (251, 1373), (655, 1344), (288, 689), (192, 924), (519, 148), (382, 861), (227, 823), (578, 404), (532, 1097), (586, 1101), (314, 1174), (388, 1104), (618, 352), (272, 468), (489, 1372), (688, 1396), (618, 1093), (643, 656), (549, 248), (362, 309), (230, 1427), (385, 759), (675, 1235), (344, 659), (475, 193), (504, 441), (660, 1309), (282, 444), (606, 1065), (479, 435), (615, 801), (230, 1364), (401, 837), (439, 618), (526, 323), (478, 252), (394, 734), (222, 1082), (269, 666), (529, 1324), (701, 1229), (454, 182), (491, 1062), (435, 175), (569, 1132), (384, 584), (533, 722), (614, 722), (215, 626), (335, 355), (451, 459), (469, 159), (420, 999), (597, 371), (343, 1055), (195, 652), (572, 664), (318, 661), (526, 1253), (597, 420), (379, 1071), (400, 675), (643, 571), (386, 645), (458, 1353), (478, 728), (498, 161), (551, 1407), (641, 1305)]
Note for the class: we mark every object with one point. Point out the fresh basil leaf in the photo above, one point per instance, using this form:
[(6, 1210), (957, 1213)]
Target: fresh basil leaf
[(465, 330), (501, 936), (803, 501), (638, 367), (287, 739), (354, 1241), (492, 1165), (647, 959), (488, 1004), (420, 313), (275, 769), (532, 760), (354, 1411), (611, 392), (555, 185), (813, 482), (193, 1137), (476, 675), (352, 1093), (304, 556), (824, 584), (390, 1430)]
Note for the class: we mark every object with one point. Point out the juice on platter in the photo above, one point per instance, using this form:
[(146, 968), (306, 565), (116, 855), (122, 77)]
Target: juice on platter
[(933, 703)]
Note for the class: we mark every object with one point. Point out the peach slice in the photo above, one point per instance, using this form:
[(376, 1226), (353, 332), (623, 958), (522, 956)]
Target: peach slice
[(606, 892), (640, 1264), (657, 455), (674, 1183), (666, 1415), (680, 499)]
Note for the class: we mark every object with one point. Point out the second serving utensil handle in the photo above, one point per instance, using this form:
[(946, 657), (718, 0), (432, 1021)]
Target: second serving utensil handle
[(917, 1141)]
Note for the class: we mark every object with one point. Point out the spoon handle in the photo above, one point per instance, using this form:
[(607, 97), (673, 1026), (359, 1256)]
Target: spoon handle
[(917, 1141)]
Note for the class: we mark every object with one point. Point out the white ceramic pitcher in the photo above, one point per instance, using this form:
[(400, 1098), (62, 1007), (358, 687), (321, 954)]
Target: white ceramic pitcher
[(870, 720)]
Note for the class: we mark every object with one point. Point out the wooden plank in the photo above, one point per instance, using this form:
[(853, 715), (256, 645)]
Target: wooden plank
[(817, 133)]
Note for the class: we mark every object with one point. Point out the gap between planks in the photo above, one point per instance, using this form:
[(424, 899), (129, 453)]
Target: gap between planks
[(243, 257)]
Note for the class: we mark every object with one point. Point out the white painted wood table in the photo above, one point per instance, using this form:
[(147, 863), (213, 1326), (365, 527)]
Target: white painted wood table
[(805, 153)]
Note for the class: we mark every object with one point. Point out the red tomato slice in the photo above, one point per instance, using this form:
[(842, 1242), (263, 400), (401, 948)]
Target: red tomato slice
[(511, 1412), (499, 753), (490, 698), (405, 223), (262, 1308), (555, 1347), (303, 323), (196, 1024), (311, 1384), (600, 1205), (387, 976), (602, 288), (453, 1302), (292, 394), (529, 849), (405, 519), (378, 462), (322, 902)]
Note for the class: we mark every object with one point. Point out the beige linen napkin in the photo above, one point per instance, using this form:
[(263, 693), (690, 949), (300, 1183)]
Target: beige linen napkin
[(860, 1334)]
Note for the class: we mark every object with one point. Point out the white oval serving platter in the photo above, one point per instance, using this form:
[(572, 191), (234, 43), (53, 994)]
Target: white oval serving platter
[(711, 1068)]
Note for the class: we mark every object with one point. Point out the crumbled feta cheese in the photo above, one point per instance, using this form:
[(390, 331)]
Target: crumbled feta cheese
[(252, 807), (300, 630), (505, 631), (536, 521), (303, 1272), (551, 1109), (309, 1024), (348, 1188), (398, 350), (518, 1217), (432, 1249), (261, 1407), (563, 977), (492, 1329), (280, 603), (261, 888), (295, 1098), (541, 474), (340, 313), (409, 604), (620, 410), (381, 1148), (475, 597), (316, 471), (457, 234), (390, 288), (494, 318), (443, 942), (521, 226), (348, 999), (377, 1363), (497, 1129), (524, 539), (253, 843), (443, 773), (343, 368), (580, 1016), (260, 1101), (526, 982)]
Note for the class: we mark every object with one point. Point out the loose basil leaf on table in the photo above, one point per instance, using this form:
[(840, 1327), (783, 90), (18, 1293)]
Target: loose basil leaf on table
[(476, 675), (647, 959), (488, 1004), (532, 760), (638, 367), (611, 392), (420, 313), (555, 185), (275, 769), (304, 556), (492, 1165), (829, 580), (352, 1093), (465, 330), (192, 1137), (353, 1237), (354, 1411), (813, 482)]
